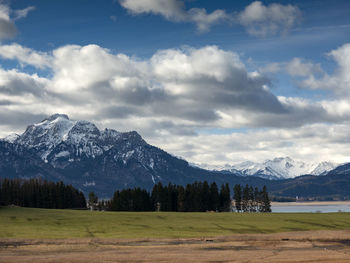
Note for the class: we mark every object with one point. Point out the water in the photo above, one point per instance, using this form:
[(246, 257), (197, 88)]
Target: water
[(310, 208)]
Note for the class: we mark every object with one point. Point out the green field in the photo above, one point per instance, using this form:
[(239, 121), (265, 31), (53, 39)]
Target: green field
[(45, 223)]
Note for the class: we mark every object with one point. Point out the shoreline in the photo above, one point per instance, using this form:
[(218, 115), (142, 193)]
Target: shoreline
[(310, 203)]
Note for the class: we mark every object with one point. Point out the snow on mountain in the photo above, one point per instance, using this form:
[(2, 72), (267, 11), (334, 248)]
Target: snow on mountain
[(47, 134), (278, 168), (11, 138), (323, 167), (57, 139)]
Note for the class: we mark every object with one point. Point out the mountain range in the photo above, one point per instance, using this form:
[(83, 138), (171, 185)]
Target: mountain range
[(277, 168), (78, 153)]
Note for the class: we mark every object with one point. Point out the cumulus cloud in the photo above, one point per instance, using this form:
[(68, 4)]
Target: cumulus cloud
[(170, 9), (201, 87), (25, 56), (174, 10), (315, 78), (260, 20)]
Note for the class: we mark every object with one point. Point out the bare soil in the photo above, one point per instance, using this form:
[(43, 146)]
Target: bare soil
[(309, 246)]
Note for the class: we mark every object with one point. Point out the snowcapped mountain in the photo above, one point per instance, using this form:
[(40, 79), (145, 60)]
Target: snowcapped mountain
[(323, 168), (278, 168), (58, 130), (90, 159)]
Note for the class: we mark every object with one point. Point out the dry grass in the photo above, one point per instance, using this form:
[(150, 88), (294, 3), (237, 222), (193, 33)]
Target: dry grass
[(312, 246)]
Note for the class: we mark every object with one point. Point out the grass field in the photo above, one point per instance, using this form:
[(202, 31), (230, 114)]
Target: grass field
[(18, 222)]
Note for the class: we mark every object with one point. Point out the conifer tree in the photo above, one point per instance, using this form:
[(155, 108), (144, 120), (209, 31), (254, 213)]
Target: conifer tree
[(237, 190), (214, 197), (266, 203)]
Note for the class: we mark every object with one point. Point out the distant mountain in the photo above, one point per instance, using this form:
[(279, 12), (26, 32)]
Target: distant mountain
[(333, 186), (278, 168)]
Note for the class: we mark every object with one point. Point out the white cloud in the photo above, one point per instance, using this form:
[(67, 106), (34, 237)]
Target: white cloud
[(174, 10), (26, 56), (260, 20), (271, 68), (170, 9), (313, 143), (204, 21), (338, 82), (297, 67), (22, 13)]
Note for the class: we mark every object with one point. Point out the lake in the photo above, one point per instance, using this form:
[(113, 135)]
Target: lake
[(316, 207)]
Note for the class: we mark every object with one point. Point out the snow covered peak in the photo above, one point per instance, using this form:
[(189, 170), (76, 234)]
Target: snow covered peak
[(59, 138), (277, 168), (323, 167), (56, 116), (49, 131), (11, 138), (82, 130), (285, 167)]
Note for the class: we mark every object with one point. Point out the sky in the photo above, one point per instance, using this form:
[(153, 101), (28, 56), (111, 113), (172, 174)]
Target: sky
[(213, 82)]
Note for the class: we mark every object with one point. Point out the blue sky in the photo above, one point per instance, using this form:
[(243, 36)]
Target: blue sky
[(212, 81)]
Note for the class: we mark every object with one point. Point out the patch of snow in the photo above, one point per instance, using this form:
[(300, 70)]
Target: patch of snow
[(151, 164), (11, 138), (62, 154), (129, 154), (89, 184), (107, 147), (323, 168)]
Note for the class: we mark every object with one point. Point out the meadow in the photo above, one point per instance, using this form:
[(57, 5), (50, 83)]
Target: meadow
[(33, 223)]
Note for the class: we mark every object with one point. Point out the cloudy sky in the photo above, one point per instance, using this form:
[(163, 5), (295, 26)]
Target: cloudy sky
[(214, 82)]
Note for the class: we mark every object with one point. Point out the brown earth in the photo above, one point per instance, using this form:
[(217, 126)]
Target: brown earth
[(310, 246)]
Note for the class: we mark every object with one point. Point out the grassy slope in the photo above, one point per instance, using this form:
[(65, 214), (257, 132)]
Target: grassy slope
[(45, 223)]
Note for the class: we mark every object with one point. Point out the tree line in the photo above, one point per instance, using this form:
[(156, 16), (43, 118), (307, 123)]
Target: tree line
[(195, 197), (40, 193)]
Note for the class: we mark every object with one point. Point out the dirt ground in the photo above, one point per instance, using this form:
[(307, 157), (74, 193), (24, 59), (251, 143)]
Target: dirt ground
[(311, 246)]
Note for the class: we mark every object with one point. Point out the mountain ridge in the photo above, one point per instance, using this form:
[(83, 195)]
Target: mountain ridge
[(276, 169)]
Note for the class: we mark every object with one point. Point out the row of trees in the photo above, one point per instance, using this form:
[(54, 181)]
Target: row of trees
[(40, 193), (249, 199), (196, 197)]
